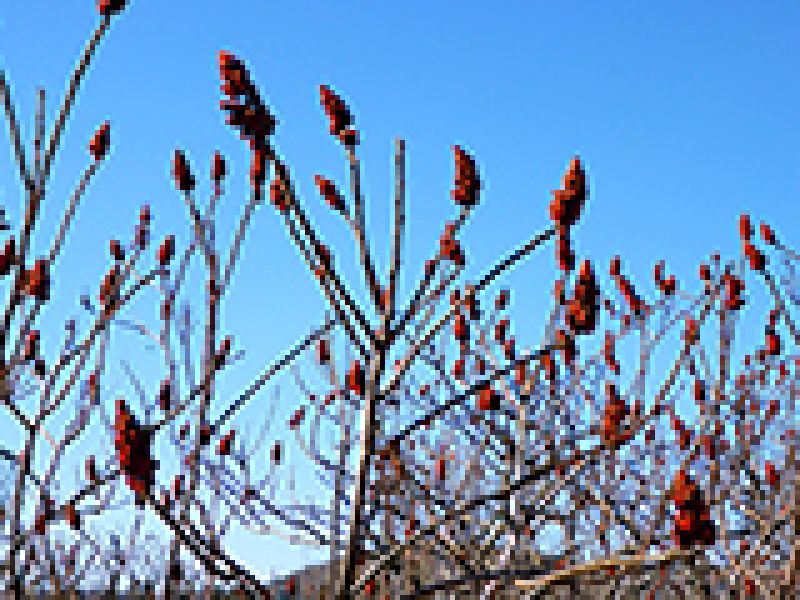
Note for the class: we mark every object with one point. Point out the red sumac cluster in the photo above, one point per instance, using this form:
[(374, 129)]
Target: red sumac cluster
[(584, 306), (692, 522), (467, 184), (133, 445)]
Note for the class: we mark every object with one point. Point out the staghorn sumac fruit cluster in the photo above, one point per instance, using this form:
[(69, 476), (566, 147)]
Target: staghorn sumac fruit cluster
[(218, 168), (132, 442), (565, 210), (340, 120), (36, 281), (226, 442), (754, 256), (329, 192), (584, 306), (467, 183), (247, 113), (614, 412), (110, 287), (245, 109), (732, 292), (166, 251), (165, 395), (8, 256), (449, 246), (323, 349), (625, 287), (181, 172), (488, 398), (141, 234), (98, 145), (665, 284), (692, 525), (356, 379)]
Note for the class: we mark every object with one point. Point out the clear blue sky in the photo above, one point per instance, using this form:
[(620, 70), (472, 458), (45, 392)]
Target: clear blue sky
[(685, 114)]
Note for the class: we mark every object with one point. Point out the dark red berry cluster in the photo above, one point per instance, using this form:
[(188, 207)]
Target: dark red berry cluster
[(692, 523), (133, 446)]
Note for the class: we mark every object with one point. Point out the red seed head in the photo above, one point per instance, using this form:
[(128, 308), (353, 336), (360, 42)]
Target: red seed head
[(71, 516), (181, 173), (279, 188), (37, 281), (218, 171), (568, 201), (327, 189), (166, 251), (356, 379), (245, 109), (461, 328), (691, 332), (30, 349), (8, 256), (732, 292), (767, 234), (771, 476), (165, 395), (755, 257), (459, 368), (98, 145), (297, 418), (467, 183), (488, 399), (502, 299), (116, 251), (225, 60), (339, 117), (615, 266), (705, 272), (745, 227), (90, 470), (224, 446), (323, 352), (584, 306), (275, 454)]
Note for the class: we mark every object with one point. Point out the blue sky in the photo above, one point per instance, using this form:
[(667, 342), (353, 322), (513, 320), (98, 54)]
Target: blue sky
[(684, 113)]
